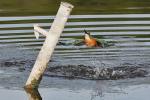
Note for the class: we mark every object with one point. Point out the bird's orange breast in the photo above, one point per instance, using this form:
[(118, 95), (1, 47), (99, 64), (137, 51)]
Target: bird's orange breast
[(90, 42)]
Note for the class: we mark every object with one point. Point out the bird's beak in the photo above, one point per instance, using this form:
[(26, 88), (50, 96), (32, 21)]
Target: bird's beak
[(86, 32)]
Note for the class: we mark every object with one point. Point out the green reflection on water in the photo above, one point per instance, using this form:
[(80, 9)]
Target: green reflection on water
[(44, 7)]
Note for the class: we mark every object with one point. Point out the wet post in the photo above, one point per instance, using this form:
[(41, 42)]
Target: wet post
[(48, 47), (33, 94)]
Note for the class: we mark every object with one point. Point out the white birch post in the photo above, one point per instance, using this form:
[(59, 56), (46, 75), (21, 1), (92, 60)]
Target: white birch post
[(48, 47)]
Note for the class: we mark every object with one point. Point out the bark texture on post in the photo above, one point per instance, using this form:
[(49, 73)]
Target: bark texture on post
[(48, 47)]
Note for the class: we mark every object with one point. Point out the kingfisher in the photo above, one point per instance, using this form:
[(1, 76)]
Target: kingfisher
[(90, 41)]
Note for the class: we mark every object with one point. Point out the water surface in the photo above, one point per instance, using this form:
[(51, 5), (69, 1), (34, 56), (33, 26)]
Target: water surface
[(125, 24)]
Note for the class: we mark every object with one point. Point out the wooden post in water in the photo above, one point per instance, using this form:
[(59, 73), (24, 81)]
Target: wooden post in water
[(48, 47), (33, 94)]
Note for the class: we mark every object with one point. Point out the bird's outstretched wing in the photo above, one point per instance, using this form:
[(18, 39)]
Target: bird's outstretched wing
[(79, 42)]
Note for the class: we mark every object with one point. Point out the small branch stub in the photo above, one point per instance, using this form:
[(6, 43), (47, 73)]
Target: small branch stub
[(48, 46), (38, 30)]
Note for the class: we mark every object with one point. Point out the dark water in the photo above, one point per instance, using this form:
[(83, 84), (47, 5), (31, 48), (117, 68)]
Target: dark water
[(46, 7), (127, 26)]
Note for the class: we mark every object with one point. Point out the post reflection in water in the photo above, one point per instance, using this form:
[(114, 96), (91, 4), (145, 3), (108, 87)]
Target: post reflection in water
[(33, 94)]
